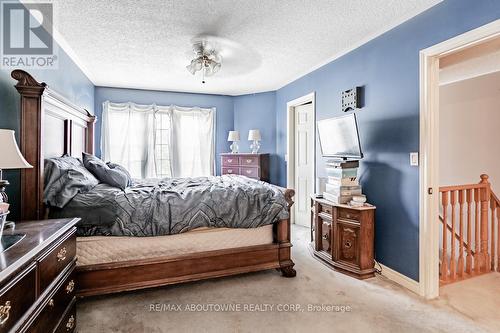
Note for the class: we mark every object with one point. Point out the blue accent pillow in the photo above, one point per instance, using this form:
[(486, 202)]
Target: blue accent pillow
[(118, 167), (104, 173)]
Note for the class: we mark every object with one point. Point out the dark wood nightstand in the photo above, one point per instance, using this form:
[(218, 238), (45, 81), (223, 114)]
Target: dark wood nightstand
[(343, 237), (37, 281)]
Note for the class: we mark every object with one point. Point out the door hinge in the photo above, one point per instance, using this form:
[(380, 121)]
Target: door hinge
[(429, 190)]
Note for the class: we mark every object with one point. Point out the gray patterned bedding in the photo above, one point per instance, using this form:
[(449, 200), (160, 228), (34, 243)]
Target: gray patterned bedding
[(170, 206)]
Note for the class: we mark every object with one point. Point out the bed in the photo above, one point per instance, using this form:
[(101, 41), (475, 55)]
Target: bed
[(51, 126)]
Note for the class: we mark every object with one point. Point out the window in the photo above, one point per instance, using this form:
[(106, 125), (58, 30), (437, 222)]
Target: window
[(162, 145), (159, 141)]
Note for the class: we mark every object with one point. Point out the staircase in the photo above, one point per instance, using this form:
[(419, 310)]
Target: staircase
[(470, 231)]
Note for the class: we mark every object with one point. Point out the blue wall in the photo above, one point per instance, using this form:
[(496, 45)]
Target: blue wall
[(223, 104), (258, 111), (388, 69), (68, 80)]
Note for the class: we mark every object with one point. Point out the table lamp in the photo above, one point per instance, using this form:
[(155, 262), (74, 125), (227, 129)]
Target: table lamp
[(234, 136), (10, 158), (254, 135)]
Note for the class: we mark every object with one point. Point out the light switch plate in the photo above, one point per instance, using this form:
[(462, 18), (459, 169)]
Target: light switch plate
[(414, 159)]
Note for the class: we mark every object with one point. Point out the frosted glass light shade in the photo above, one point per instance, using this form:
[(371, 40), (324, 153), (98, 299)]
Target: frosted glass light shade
[(233, 136), (254, 135), (10, 155)]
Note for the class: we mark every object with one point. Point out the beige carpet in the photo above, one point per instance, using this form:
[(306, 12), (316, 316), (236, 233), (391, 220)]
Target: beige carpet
[(374, 305)]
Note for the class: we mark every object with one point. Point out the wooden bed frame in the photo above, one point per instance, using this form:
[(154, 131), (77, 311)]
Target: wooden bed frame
[(52, 126)]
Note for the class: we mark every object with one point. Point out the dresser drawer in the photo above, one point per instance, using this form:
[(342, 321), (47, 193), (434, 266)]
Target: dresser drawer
[(17, 297), (325, 209), (56, 259), (230, 171), (68, 323), (249, 160), (55, 306), (230, 160), (350, 214), (250, 172)]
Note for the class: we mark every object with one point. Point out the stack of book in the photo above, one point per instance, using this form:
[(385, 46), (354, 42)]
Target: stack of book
[(342, 183)]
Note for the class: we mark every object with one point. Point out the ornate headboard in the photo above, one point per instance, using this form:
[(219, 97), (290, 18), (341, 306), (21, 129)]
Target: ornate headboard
[(51, 126)]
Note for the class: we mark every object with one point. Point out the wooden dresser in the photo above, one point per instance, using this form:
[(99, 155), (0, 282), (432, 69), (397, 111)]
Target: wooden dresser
[(343, 237), (251, 165), (37, 283)]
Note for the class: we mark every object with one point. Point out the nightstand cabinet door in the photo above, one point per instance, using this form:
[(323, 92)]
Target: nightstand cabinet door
[(326, 237), (347, 241)]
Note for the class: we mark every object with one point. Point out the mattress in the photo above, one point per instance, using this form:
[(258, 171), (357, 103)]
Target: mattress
[(105, 249)]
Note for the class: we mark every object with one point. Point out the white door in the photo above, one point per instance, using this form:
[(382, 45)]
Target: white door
[(304, 163)]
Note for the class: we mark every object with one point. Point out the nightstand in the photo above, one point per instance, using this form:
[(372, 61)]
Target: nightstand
[(343, 237)]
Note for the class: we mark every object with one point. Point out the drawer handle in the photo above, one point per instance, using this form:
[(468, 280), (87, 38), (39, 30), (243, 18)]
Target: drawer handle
[(230, 171), (325, 237), (229, 160), (61, 255), (249, 161), (4, 312), (70, 287), (248, 171), (51, 302), (71, 323)]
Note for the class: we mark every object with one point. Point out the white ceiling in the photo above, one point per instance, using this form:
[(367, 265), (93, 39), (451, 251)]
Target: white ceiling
[(143, 44)]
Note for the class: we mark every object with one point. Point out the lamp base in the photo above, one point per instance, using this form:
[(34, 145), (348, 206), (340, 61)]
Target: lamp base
[(255, 146), (234, 147), (3, 194)]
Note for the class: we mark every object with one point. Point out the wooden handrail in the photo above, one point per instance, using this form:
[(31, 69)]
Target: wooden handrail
[(457, 236), (463, 187), (495, 198)]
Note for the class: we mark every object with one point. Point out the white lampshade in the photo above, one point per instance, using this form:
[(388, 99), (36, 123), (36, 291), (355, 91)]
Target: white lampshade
[(254, 135), (10, 156), (233, 136)]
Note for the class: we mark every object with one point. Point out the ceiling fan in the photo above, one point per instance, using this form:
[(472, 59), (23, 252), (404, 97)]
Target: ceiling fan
[(207, 58), (210, 51)]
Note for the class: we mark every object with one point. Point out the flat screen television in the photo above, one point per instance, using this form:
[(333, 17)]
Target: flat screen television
[(339, 137)]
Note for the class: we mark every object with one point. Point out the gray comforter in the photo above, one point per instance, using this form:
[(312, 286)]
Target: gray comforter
[(174, 205)]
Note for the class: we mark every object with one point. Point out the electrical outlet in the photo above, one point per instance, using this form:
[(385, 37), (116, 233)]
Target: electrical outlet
[(414, 159)]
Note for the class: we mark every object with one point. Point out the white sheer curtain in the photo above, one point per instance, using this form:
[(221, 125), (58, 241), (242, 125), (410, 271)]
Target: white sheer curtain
[(163, 141), (127, 137), (192, 145)]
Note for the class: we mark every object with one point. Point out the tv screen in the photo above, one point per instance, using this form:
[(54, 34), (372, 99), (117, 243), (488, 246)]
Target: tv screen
[(339, 137)]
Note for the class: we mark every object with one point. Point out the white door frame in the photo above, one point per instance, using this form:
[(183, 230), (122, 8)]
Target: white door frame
[(429, 150), (290, 139)]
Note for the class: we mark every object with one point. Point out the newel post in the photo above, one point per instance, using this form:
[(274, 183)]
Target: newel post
[(485, 198)]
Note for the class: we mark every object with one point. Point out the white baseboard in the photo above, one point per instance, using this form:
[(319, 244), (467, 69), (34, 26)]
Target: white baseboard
[(400, 279)]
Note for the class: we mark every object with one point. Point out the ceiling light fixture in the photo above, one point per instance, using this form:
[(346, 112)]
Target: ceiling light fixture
[(207, 60)]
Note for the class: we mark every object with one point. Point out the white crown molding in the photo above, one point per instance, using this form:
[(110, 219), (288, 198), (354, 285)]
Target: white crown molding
[(362, 42)]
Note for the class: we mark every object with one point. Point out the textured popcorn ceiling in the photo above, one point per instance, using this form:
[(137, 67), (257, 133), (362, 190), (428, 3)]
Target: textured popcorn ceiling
[(144, 44)]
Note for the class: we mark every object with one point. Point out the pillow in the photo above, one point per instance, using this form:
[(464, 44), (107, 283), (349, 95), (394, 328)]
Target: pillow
[(65, 177), (118, 167), (105, 174)]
